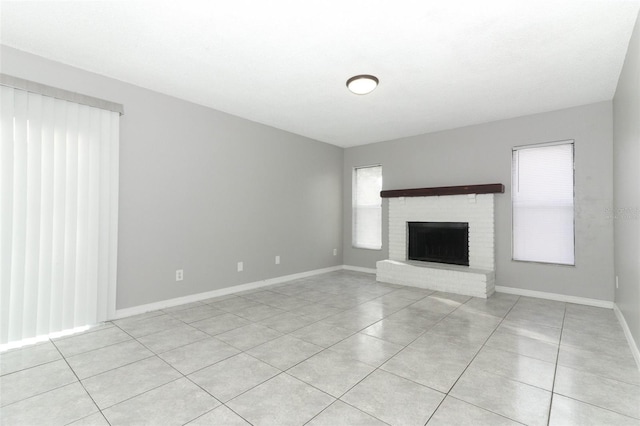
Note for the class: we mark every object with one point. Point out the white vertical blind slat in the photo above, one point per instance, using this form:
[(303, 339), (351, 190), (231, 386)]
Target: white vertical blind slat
[(32, 243), (93, 209), (59, 202), (82, 225), (6, 205), (45, 276), (70, 219), (103, 191), (19, 223), (109, 181), (58, 218)]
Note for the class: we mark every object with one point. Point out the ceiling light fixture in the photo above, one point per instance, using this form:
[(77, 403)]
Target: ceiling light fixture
[(362, 84)]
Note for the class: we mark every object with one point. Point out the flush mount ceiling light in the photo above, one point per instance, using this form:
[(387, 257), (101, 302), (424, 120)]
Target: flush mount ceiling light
[(362, 84)]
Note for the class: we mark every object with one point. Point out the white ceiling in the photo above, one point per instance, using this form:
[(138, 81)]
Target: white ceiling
[(441, 64)]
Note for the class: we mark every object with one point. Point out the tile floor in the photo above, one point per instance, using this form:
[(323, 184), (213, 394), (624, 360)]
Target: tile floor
[(334, 349)]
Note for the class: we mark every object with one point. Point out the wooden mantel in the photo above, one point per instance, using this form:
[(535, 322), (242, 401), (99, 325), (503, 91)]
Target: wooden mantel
[(490, 188)]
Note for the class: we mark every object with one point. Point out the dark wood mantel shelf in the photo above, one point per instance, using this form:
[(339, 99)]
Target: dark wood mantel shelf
[(490, 188)]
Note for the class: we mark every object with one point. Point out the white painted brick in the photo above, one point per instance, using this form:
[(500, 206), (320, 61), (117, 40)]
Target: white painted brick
[(479, 279), (468, 282), (480, 217)]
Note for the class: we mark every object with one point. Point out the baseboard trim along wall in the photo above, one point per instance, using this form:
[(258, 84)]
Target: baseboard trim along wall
[(359, 269), (141, 309), (581, 301), (555, 296), (627, 332)]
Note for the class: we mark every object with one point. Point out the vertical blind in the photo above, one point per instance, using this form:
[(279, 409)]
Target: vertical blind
[(58, 214), (542, 196), (367, 207)]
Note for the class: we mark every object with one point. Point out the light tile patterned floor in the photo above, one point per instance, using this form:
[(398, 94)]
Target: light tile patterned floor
[(334, 349)]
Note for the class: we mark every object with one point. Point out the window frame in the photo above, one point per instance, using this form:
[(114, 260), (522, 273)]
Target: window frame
[(513, 184), (354, 206)]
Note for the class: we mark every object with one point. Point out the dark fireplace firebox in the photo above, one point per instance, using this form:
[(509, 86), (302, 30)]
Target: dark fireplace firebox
[(442, 242)]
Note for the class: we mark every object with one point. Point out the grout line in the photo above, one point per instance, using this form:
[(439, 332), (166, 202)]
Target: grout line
[(86, 417), (142, 393), (555, 370), (82, 384), (95, 349), (5, 375), (123, 365), (237, 414), (324, 349), (205, 413), (345, 403), (483, 409), (584, 371), (375, 369), (185, 376), (472, 359), (599, 407), (154, 355)]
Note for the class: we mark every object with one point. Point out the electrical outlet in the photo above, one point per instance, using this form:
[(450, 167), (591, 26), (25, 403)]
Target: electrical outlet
[(179, 274), (277, 260), (616, 281), (240, 266), (335, 252)]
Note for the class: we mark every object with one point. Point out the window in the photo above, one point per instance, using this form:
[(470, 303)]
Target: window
[(542, 197), (367, 207)]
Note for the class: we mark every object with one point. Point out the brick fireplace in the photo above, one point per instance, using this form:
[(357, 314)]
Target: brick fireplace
[(466, 204)]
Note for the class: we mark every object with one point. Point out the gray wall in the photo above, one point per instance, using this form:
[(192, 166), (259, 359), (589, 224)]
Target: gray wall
[(482, 154), (201, 190), (626, 181)]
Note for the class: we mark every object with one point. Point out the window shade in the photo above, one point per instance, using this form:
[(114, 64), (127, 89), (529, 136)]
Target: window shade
[(58, 214), (542, 196), (367, 207)]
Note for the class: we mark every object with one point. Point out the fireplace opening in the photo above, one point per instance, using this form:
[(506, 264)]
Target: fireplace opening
[(442, 242)]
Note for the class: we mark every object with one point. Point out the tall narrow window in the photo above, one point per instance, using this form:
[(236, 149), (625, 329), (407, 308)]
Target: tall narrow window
[(542, 196), (58, 215), (367, 207)]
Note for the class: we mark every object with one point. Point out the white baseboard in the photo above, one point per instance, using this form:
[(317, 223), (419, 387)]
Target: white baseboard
[(285, 278), (581, 301), (141, 309), (625, 327), (359, 269), (555, 296)]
